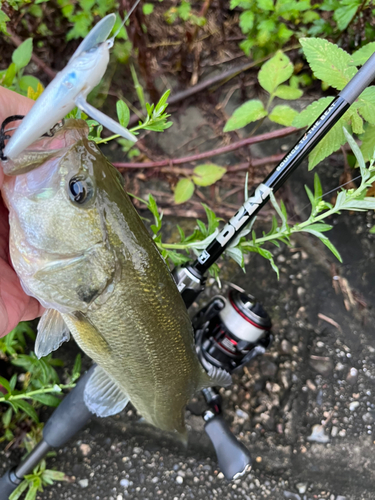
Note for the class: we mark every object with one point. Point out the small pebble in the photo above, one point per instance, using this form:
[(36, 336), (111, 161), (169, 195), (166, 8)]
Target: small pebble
[(83, 483), (124, 483), (242, 414), (318, 435), (368, 418), (291, 496), (85, 449), (301, 487), (354, 405), (179, 480), (334, 431), (352, 376), (155, 479)]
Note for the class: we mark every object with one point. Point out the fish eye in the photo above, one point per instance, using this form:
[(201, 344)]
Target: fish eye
[(80, 189)]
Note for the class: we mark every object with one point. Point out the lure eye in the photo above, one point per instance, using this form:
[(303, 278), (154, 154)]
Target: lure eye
[(80, 189)]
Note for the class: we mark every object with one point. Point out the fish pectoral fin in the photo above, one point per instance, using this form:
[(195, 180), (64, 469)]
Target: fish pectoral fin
[(215, 377), (52, 332), (105, 120), (103, 395)]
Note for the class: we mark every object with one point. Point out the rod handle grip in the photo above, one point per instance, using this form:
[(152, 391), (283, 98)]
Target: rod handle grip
[(233, 457)]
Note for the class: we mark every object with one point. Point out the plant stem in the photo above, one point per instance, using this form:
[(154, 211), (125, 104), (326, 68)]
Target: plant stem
[(214, 152), (27, 395)]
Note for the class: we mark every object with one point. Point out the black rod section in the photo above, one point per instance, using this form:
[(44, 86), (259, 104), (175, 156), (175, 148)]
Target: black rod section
[(282, 171)]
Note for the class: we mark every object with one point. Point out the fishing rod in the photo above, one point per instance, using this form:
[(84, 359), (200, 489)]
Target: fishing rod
[(229, 331)]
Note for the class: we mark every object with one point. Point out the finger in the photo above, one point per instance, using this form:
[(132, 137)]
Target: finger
[(12, 103)]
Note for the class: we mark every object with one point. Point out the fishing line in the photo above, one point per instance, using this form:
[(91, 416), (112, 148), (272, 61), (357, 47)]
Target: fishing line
[(124, 21), (325, 194)]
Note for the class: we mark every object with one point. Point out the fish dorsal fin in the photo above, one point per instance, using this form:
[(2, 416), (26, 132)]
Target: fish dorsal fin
[(215, 377), (103, 396), (52, 332)]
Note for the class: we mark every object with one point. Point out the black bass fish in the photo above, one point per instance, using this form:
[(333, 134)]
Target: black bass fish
[(80, 248)]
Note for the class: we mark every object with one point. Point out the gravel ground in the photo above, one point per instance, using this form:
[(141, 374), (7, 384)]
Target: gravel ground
[(306, 409)]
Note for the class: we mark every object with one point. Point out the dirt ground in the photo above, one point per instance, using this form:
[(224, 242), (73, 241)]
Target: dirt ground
[(306, 409)]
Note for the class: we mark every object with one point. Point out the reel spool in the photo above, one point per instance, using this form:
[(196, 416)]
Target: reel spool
[(231, 331)]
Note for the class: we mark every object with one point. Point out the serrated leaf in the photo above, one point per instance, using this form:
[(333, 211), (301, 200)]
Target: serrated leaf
[(360, 56), (344, 14), (368, 142), (275, 71), (288, 93), (308, 116), (356, 121), (328, 145), (205, 175), (123, 113), (265, 4), (184, 191), (22, 55), (366, 105), (250, 111), (283, 114), (328, 62), (246, 21)]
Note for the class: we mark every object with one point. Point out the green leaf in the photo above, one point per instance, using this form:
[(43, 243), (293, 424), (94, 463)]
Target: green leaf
[(237, 255), (4, 382), (275, 71), (28, 81), (77, 367), (184, 191), (213, 221), (205, 175), (9, 75), (355, 121), (357, 153), (31, 494), (328, 145), (22, 55), (148, 8), (320, 227), (345, 14), (27, 408), (333, 249), (19, 490), (372, 230), (7, 417), (123, 113), (279, 211), (366, 104), (265, 5), (283, 114), (318, 191), (246, 21), (368, 142), (3, 20), (250, 111), (308, 116), (46, 399), (328, 62), (360, 56), (288, 93)]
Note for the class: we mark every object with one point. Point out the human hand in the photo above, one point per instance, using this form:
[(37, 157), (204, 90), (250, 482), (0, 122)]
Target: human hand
[(15, 305)]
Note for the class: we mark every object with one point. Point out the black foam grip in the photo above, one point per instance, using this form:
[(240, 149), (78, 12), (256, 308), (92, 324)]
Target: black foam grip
[(69, 417), (7, 486), (233, 457)]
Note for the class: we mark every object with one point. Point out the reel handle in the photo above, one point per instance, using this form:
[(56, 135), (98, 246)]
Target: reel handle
[(233, 457)]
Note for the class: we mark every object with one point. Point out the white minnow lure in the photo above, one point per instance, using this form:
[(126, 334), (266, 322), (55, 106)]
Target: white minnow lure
[(69, 89)]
